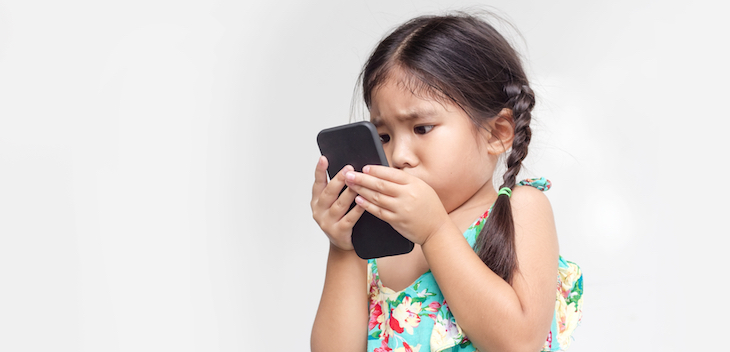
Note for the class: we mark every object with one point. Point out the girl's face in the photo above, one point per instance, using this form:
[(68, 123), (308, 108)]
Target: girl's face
[(436, 142)]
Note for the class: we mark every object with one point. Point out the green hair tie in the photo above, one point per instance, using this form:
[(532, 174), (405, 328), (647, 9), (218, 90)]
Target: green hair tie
[(506, 191)]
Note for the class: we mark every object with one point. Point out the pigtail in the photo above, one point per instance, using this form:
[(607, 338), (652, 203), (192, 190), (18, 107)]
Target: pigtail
[(496, 242)]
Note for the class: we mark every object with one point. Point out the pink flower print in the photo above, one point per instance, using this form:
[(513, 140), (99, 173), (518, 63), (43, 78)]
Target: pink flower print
[(549, 341), (433, 307), (376, 317), (383, 346)]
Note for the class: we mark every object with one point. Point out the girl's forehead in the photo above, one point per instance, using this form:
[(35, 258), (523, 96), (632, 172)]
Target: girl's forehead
[(399, 95), (393, 102), (410, 96)]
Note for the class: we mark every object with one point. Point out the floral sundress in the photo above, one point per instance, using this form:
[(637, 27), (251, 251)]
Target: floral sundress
[(418, 318)]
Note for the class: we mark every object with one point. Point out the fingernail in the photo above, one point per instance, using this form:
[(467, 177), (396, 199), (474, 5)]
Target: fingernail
[(350, 176), (366, 169)]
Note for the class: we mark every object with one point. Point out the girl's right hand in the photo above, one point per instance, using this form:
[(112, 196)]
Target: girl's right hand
[(330, 208)]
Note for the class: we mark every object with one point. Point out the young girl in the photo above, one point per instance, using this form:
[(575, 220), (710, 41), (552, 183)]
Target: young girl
[(448, 96)]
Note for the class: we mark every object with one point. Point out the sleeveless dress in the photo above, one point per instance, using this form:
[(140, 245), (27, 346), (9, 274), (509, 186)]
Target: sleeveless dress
[(418, 318)]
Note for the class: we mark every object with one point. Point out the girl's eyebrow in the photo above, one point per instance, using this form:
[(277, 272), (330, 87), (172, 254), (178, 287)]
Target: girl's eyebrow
[(412, 115)]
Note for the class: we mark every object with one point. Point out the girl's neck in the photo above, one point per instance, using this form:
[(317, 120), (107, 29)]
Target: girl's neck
[(465, 214)]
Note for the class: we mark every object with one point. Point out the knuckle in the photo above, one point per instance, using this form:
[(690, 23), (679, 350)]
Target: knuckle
[(352, 219), (384, 215), (377, 212), (338, 203), (329, 193), (318, 217), (413, 194)]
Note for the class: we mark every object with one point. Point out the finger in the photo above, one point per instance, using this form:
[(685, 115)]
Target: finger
[(358, 181), (375, 197), (330, 193), (349, 220), (387, 173), (380, 213), (320, 176), (342, 204)]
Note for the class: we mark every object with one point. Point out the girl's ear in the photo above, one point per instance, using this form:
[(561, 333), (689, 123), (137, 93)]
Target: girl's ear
[(502, 132)]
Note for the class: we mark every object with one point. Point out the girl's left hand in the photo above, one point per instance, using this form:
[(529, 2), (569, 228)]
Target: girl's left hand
[(404, 201)]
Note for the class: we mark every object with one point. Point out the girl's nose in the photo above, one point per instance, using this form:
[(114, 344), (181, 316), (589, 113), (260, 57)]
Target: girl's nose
[(402, 155)]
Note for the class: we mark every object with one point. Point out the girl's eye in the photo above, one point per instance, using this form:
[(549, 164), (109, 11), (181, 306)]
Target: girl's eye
[(384, 138), (423, 129)]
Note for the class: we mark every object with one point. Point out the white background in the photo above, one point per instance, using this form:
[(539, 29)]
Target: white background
[(156, 161)]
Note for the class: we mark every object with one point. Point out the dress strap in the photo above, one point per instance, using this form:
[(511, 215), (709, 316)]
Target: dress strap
[(541, 183)]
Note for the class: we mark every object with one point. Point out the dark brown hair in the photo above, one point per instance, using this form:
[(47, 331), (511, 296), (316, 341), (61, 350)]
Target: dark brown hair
[(463, 59)]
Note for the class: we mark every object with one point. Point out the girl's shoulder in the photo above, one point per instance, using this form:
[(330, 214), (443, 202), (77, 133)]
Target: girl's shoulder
[(529, 200), (532, 213)]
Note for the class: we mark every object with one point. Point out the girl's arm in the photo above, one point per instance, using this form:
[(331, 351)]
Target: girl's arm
[(494, 315), (341, 323), (342, 318)]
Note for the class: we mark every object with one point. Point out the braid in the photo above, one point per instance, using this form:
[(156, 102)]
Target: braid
[(521, 101), (496, 242)]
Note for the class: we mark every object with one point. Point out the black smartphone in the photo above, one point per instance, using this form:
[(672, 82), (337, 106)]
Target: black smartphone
[(358, 144)]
